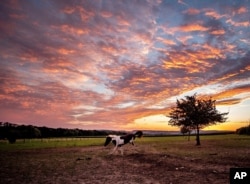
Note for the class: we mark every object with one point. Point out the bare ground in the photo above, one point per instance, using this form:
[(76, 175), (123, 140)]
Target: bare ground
[(139, 164)]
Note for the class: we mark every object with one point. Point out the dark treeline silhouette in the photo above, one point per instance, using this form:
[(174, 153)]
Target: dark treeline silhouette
[(243, 130), (12, 132)]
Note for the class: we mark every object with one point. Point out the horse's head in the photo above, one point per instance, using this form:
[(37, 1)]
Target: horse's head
[(109, 138), (139, 134)]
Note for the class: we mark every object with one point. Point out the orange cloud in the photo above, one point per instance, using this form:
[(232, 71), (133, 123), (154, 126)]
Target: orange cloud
[(193, 27), (211, 51), (73, 30), (65, 51), (226, 77), (228, 95), (193, 61), (229, 101), (218, 32), (192, 11)]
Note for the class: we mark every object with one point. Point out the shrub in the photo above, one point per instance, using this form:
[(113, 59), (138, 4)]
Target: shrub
[(243, 130)]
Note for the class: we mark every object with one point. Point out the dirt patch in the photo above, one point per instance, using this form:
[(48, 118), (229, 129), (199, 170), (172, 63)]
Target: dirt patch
[(140, 164)]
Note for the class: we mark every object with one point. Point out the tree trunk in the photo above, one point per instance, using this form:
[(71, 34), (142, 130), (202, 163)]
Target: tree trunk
[(189, 135), (198, 143)]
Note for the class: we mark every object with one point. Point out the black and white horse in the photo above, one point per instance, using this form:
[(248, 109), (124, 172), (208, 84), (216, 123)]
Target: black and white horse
[(119, 141)]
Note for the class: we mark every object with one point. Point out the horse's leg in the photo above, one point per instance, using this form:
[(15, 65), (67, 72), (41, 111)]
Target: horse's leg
[(115, 148), (121, 150)]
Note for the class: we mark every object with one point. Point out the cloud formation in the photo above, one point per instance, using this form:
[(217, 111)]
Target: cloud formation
[(105, 64)]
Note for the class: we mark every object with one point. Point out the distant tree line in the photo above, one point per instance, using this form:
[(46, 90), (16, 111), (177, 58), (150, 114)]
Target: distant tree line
[(243, 130), (11, 132)]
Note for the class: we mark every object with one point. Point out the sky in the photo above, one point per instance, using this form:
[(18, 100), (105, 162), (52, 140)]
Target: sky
[(122, 64)]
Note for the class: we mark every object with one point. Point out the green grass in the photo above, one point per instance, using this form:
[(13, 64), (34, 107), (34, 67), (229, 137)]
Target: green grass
[(164, 143), (50, 143), (210, 145)]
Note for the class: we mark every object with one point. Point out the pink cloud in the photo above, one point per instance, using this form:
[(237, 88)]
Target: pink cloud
[(212, 13), (166, 41), (240, 10), (239, 24), (192, 11)]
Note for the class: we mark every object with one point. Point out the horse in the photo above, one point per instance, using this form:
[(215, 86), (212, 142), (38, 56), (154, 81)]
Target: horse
[(119, 141)]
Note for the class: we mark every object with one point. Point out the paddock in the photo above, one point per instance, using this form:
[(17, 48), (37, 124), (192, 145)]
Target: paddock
[(151, 160)]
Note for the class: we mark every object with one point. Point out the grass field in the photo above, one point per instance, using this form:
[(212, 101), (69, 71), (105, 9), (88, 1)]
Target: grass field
[(170, 159), (50, 143), (228, 140)]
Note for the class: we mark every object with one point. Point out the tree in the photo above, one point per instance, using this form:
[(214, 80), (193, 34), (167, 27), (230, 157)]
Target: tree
[(195, 114), (185, 130), (244, 130)]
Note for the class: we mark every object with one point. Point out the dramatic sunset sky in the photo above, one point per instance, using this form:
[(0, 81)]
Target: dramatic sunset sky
[(121, 64)]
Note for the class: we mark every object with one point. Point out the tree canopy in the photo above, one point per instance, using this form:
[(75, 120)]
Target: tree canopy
[(196, 114)]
